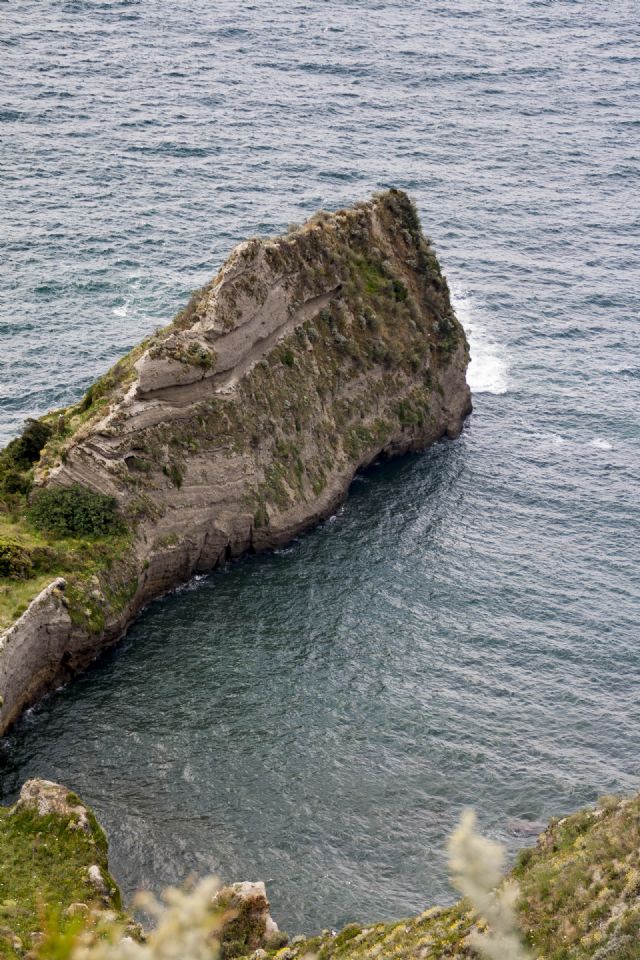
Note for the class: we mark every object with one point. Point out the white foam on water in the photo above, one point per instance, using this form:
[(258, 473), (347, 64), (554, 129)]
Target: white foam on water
[(191, 584), (290, 548), (488, 369), (573, 445), (551, 440), (121, 311)]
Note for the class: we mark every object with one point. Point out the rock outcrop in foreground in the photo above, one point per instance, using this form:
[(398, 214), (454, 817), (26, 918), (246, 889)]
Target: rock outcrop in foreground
[(55, 886), (231, 430)]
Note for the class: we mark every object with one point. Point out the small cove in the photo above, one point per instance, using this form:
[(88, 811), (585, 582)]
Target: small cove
[(464, 631)]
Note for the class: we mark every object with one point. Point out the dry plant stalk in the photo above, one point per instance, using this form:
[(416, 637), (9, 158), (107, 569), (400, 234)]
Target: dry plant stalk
[(188, 927), (477, 866)]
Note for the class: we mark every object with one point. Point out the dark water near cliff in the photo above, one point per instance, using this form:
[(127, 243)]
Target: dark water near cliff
[(465, 630)]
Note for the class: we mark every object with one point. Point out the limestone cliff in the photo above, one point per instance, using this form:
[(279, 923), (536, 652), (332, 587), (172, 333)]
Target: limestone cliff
[(236, 427)]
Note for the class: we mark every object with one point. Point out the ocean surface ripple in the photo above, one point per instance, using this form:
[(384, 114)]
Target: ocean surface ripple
[(465, 630)]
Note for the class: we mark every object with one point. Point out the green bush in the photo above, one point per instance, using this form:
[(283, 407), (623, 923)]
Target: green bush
[(400, 292), (25, 449), (174, 472), (200, 356), (75, 511), (195, 355), (12, 481), (19, 456), (15, 561)]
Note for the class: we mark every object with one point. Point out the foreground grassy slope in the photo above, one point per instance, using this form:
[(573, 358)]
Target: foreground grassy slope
[(44, 869), (579, 899), (579, 894)]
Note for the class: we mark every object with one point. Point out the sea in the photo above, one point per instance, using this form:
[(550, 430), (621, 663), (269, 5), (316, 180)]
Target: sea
[(464, 631)]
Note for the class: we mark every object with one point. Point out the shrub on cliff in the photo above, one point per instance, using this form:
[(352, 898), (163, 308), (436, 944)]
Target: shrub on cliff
[(25, 449), (19, 456), (15, 561), (75, 512)]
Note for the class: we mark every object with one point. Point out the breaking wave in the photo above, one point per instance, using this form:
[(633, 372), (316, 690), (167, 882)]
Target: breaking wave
[(488, 368)]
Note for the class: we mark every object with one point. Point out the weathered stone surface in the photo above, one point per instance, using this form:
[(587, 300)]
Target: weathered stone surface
[(97, 881), (244, 422), (29, 649), (46, 797)]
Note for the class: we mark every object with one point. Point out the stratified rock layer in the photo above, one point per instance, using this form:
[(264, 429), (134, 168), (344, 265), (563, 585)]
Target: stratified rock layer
[(245, 420)]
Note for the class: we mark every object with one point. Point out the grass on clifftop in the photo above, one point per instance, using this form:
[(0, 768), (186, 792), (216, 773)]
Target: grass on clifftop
[(49, 533), (43, 870), (579, 900), (84, 561)]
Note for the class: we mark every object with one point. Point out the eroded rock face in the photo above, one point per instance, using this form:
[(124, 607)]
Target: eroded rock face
[(244, 421), (39, 639)]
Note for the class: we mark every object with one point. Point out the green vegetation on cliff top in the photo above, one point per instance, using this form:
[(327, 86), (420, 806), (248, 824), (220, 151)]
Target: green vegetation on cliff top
[(52, 532), (44, 863), (579, 900)]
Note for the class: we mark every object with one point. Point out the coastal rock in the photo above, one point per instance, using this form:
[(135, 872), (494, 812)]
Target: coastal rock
[(97, 881), (242, 423), (53, 862), (45, 798), (250, 926)]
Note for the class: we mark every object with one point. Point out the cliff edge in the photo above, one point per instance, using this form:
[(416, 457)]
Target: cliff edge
[(231, 430), (577, 897)]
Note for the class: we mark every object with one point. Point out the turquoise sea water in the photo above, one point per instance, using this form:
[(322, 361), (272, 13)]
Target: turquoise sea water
[(465, 630)]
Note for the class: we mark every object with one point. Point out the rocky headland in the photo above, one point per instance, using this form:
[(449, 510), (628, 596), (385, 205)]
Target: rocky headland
[(233, 429)]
